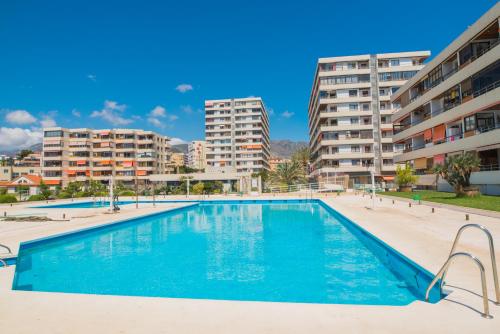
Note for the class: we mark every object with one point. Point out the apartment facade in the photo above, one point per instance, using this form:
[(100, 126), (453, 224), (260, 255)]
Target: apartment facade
[(178, 159), (126, 155), (29, 165), (237, 135), (196, 154), (350, 126), (453, 106)]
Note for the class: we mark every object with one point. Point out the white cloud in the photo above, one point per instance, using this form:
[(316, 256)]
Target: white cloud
[(158, 111), (156, 122), (287, 114), (12, 139), (20, 117), (270, 111), (183, 88), (76, 113), (111, 113), (177, 141), (187, 109), (48, 122), (92, 77)]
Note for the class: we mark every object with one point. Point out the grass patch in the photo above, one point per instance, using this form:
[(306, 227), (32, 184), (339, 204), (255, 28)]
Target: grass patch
[(484, 202)]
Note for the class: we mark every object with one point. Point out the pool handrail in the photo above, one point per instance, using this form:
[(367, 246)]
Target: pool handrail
[(6, 247), (492, 255), (443, 269)]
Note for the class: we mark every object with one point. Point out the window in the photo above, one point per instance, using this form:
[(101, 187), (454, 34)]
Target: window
[(394, 62), (351, 66), (390, 76), (355, 162), (53, 134), (353, 93), (354, 120), (365, 106), (355, 148), (353, 106)]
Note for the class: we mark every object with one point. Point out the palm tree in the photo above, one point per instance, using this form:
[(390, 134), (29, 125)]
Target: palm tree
[(288, 173), (457, 170), (302, 156)]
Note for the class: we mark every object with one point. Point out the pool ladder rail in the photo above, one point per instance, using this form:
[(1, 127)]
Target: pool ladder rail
[(452, 256), (2, 261)]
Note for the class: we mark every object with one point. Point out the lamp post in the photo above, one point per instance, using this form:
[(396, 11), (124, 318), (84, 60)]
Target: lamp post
[(111, 195), (372, 172)]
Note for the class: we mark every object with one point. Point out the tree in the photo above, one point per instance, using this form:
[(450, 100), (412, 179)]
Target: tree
[(96, 188), (22, 190), (44, 190), (198, 188), (73, 188), (405, 178), (457, 170), (23, 154), (288, 173), (302, 156)]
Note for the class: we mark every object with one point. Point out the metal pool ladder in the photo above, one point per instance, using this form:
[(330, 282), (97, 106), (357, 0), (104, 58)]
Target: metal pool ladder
[(444, 269), (2, 261)]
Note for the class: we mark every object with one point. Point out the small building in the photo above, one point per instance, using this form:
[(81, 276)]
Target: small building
[(274, 162), (32, 182)]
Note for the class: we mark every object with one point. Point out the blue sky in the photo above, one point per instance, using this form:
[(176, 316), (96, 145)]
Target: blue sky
[(151, 64)]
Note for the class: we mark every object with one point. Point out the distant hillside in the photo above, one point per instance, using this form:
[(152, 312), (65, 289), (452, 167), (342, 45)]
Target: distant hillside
[(284, 148), (280, 148), (12, 153), (36, 148), (180, 148)]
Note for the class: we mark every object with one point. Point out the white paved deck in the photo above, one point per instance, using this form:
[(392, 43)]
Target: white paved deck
[(423, 236)]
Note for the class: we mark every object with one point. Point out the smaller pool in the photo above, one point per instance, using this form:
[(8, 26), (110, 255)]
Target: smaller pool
[(97, 204), (103, 204)]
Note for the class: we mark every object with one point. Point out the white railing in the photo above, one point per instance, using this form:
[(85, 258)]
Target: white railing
[(307, 187)]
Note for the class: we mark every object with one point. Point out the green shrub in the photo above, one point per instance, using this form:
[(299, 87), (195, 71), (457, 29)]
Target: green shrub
[(38, 197), (8, 198), (83, 194), (63, 194), (198, 188), (126, 193)]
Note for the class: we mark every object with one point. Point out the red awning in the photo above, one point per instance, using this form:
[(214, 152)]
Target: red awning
[(388, 178)]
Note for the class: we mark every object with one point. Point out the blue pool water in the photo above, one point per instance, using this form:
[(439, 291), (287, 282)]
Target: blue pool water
[(264, 251), (96, 204)]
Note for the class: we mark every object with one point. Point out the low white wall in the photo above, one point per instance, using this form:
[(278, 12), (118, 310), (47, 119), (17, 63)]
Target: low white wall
[(488, 182)]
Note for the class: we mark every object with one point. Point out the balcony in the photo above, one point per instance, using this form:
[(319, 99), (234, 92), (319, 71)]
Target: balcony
[(455, 143), (466, 96)]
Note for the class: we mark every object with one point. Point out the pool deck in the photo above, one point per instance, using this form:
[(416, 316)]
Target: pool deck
[(423, 236)]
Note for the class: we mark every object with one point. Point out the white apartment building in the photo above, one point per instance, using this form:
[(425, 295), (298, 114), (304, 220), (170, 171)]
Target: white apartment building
[(350, 127), (453, 106), (237, 135), (196, 154), (127, 155)]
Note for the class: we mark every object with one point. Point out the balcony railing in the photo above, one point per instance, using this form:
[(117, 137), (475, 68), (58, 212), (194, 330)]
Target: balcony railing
[(453, 71), (397, 128), (489, 167)]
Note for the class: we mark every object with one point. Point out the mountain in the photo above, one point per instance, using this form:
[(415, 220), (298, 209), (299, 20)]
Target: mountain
[(36, 148), (284, 148), (12, 153), (180, 148)]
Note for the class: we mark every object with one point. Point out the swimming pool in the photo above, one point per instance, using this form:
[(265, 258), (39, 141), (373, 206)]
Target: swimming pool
[(100, 204), (301, 251)]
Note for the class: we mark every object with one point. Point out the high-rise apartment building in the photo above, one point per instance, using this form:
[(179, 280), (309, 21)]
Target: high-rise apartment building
[(196, 154), (127, 155), (237, 134), (453, 105), (350, 127)]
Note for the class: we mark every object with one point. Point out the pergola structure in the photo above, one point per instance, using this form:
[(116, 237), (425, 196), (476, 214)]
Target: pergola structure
[(243, 181)]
